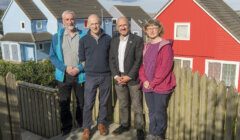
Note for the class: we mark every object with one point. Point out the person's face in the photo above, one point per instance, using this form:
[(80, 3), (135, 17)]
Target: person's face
[(152, 31), (123, 27), (94, 25), (69, 21)]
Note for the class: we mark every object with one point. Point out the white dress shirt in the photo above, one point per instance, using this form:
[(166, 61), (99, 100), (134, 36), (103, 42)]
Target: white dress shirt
[(121, 52)]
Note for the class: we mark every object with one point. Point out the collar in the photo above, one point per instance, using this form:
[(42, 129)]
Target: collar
[(124, 38)]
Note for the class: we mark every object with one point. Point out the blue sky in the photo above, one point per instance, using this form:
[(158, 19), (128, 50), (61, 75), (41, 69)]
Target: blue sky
[(153, 6), (150, 6)]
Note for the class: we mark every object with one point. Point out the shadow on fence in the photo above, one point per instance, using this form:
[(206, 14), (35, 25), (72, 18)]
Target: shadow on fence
[(199, 109)]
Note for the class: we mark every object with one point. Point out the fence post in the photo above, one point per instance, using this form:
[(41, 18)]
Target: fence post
[(13, 106), (202, 108), (5, 128), (195, 106), (220, 111), (238, 121), (231, 112)]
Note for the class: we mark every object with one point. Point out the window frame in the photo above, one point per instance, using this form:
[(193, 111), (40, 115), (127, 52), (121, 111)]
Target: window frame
[(22, 23), (39, 28), (185, 58), (188, 32), (207, 61)]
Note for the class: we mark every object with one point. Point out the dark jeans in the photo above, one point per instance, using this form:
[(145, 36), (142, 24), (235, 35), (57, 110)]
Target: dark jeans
[(157, 106), (65, 89), (103, 82), (135, 94)]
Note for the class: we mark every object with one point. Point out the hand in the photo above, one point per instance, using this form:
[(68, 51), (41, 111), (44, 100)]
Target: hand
[(69, 70), (146, 85), (125, 79), (75, 71)]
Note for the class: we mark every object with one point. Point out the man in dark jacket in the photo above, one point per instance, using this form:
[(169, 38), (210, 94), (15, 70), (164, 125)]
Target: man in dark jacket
[(94, 51), (125, 60)]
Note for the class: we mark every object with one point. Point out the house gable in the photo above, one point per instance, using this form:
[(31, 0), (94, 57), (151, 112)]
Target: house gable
[(11, 24)]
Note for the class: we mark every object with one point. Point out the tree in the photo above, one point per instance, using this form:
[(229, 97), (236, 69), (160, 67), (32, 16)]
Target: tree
[(1, 27)]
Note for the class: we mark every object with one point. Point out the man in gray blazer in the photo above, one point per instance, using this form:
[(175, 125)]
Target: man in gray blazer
[(125, 59)]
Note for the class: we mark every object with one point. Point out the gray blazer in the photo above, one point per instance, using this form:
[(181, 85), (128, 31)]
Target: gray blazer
[(132, 58)]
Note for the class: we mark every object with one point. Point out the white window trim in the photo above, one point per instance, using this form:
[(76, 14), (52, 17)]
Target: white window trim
[(175, 30), (22, 22), (224, 62), (10, 51), (185, 58), (39, 28)]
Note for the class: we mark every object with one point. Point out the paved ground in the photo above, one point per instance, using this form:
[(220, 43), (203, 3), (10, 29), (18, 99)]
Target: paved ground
[(76, 135)]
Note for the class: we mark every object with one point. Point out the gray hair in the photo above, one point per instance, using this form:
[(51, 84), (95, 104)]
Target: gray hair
[(68, 12)]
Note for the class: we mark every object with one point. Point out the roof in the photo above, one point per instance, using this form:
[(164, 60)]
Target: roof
[(30, 9), (82, 8), (135, 12), (223, 14), (27, 37)]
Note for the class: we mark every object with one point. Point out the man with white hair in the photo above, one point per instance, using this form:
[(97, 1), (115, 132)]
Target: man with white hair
[(94, 51), (68, 71)]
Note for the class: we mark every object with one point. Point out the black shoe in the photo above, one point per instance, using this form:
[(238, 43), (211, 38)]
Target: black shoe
[(66, 132), (120, 130), (140, 134)]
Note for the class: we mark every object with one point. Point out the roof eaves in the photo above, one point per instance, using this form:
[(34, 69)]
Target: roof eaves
[(162, 9), (5, 12)]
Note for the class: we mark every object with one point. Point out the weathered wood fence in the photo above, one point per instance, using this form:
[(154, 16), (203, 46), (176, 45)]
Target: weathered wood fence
[(199, 109)]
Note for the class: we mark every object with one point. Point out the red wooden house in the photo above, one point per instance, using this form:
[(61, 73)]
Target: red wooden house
[(206, 37)]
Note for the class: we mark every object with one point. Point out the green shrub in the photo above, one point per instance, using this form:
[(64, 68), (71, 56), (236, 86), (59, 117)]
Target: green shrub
[(41, 73)]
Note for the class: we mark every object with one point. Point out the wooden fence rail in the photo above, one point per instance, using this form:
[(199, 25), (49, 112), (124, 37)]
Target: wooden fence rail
[(199, 109)]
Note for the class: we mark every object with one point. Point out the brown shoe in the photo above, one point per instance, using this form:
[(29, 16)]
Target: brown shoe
[(86, 134), (102, 129)]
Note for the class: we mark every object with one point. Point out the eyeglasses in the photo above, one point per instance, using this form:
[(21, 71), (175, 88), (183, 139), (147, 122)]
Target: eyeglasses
[(152, 28)]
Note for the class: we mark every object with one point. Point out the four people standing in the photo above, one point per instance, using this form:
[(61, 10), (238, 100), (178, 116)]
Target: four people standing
[(125, 60), (99, 56), (68, 71)]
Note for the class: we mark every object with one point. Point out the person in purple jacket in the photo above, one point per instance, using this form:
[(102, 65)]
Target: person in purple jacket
[(157, 78)]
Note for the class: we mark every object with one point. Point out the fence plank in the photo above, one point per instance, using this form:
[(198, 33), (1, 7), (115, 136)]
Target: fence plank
[(13, 102), (237, 137), (54, 116), (230, 114), (188, 102), (170, 112), (195, 106), (5, 128), (211, 108), (202, 108), (220, 111), (182, 114), (177, 94)]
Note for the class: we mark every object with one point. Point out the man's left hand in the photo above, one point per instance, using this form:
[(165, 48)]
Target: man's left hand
[(125, 79)]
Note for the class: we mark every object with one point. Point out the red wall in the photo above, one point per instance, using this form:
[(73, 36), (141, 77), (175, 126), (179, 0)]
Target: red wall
[(208, 40)]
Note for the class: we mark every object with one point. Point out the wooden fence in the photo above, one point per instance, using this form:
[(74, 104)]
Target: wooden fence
[(199, 109)]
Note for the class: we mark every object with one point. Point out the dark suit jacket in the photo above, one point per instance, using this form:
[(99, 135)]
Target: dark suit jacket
[(132, 58)]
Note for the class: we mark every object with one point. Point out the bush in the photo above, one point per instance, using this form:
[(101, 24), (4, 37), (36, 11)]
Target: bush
[(41, 73)]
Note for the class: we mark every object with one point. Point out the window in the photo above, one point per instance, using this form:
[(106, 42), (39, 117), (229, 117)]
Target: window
[(85, 23), (40, 46), (183, 62), (39, 25), (114, 21), (22, 25), (182, 31), (226, 71)]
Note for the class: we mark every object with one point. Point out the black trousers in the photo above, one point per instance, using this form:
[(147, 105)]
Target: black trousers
[(65, 89)]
